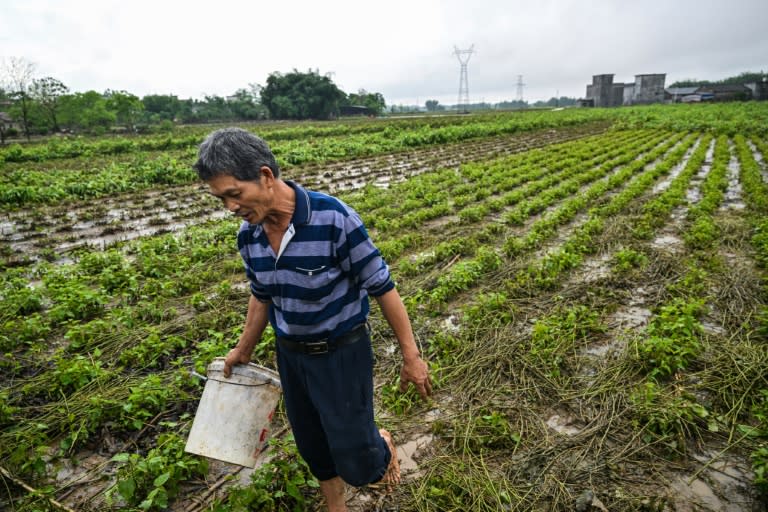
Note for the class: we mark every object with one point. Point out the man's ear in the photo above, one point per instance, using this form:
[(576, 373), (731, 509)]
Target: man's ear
[(267, 174)]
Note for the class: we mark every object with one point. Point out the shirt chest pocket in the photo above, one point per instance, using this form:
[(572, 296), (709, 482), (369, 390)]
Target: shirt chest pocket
[(311, 283)]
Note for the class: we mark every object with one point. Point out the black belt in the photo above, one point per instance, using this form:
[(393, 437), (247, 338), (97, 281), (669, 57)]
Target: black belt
[(324, 345)]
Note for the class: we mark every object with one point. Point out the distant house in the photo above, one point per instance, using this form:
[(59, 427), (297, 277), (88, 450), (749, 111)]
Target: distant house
[(356, 110), (726, 92), (676, 94), (6, 123)]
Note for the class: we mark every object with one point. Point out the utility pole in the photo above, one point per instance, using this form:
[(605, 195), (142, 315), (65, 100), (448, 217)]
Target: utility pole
[(463, 56)]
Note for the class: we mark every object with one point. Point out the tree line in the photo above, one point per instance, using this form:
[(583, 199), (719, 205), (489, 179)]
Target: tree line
[(562, 101), (742, 78), (31, 105)]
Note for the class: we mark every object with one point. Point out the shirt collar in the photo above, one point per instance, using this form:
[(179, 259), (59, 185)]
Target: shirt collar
[(301, 210)]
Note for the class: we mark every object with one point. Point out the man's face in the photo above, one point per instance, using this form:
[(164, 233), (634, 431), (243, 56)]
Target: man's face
[(250, 200)]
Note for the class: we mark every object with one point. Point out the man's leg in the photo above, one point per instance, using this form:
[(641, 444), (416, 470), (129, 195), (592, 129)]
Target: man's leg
[(333, 492), (342, 390)]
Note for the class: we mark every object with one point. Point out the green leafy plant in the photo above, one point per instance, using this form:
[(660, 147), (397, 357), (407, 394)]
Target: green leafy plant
[(151, 481), (626, 260), (6, 409), (669, 416), (397, 402), (672, 340), (488, 430), (554, 336), (72, 373), (760, 467), (282, 484)]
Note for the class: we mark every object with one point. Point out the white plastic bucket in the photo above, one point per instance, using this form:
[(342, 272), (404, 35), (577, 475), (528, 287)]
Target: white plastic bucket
[(234, 415)]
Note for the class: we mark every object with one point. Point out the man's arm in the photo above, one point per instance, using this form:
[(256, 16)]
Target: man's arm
[(255, 322), (414, 369)]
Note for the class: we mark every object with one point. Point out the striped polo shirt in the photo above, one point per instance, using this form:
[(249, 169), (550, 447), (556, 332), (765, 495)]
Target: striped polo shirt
[(319, 281)]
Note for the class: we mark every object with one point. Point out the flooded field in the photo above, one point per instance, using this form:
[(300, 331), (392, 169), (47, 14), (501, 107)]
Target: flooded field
[(590, 296)]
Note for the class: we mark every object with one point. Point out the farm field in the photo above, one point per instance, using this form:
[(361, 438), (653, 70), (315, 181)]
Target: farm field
[(588, 287)]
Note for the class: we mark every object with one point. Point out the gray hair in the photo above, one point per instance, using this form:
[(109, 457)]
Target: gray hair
[(234, 152)]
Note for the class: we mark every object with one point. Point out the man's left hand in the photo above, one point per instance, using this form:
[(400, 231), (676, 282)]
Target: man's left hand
[(416, 372)]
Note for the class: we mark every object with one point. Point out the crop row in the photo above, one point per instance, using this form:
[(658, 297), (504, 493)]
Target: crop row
[(486, 188), (294, 144), (28, 185), (464, 274)]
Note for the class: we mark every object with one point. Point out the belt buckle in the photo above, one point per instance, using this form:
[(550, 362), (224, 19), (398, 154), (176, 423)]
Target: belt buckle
[(316, 347)]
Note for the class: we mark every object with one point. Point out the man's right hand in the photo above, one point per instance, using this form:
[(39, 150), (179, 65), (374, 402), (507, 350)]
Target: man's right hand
[(235, 356)]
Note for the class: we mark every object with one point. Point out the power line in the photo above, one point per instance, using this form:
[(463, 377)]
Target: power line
[(463, 55)]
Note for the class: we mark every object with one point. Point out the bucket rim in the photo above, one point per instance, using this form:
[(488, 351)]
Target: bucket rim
[(250, 370)]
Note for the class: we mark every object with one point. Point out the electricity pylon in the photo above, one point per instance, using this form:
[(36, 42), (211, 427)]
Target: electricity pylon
[(463, 56)]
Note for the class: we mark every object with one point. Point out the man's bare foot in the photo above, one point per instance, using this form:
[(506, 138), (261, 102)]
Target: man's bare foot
[(392, 475)]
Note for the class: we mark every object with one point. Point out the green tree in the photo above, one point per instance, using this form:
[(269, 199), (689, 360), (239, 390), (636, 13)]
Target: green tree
[(126, 107), (373, 100), (245, 104), (159, 107), (86, 111), (47, 93), (433, 106), (299, 95), (16, 76), (742, 78)]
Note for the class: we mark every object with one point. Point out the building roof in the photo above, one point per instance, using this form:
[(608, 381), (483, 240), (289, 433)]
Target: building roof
[(723, 88), (681, 91)]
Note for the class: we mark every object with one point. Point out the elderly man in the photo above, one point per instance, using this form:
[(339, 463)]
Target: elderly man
[(311, 267)]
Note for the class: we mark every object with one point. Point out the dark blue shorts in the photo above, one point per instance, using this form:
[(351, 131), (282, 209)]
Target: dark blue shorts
[(329, 401)]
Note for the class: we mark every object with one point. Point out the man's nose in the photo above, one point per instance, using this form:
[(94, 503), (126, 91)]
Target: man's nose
[(231, 205)]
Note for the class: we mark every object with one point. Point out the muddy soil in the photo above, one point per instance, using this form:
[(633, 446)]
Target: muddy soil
[(51, 232)]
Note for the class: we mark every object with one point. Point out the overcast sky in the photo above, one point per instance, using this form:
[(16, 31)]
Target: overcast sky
[(403, 49)]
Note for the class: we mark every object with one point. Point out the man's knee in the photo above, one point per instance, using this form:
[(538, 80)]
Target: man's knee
[(364, 467)]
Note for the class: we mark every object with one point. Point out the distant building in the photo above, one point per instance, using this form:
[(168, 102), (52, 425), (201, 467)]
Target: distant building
[(603, 92), (676, 94), (649, 88), (726, 92), (718, 92), (759, 89), (356, 110)]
